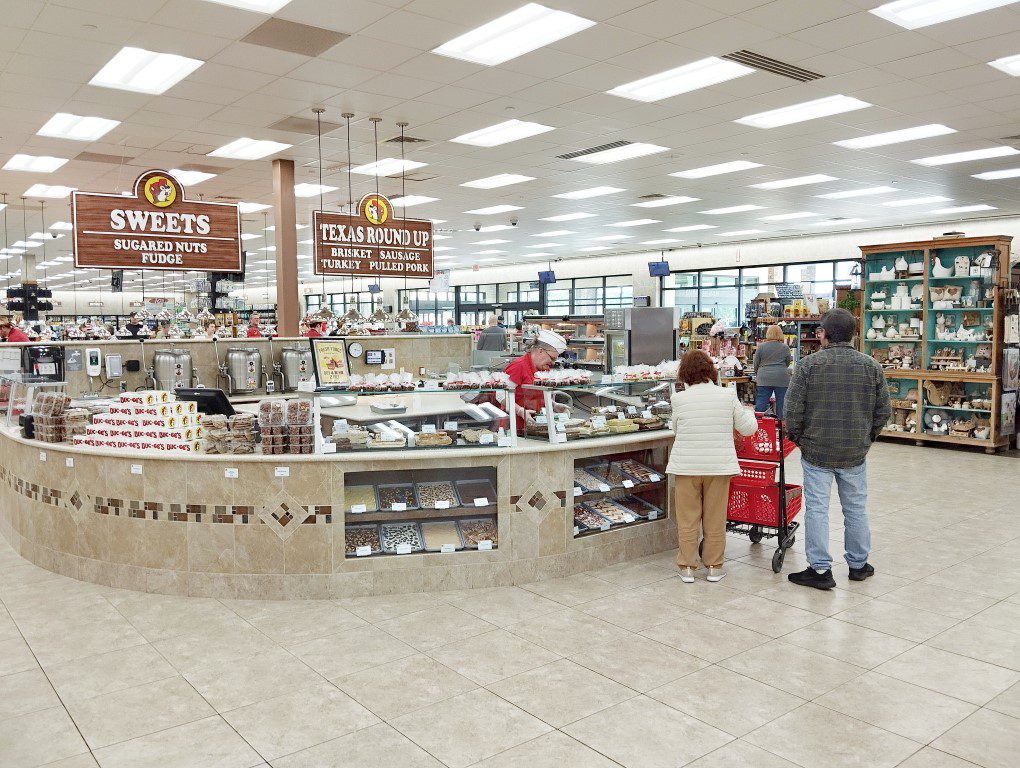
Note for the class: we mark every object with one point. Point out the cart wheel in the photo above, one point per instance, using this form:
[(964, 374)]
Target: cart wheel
[(777, 560), (755, 534)]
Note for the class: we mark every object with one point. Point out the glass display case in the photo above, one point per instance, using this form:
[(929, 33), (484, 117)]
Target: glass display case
[(618, 490), (18, 392)]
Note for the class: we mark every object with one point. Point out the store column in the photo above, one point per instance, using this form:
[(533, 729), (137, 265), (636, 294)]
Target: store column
[(288, 307)]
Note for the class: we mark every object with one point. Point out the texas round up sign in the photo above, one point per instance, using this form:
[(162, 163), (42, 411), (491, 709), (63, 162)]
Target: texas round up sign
[(155, 227), (373, 242)]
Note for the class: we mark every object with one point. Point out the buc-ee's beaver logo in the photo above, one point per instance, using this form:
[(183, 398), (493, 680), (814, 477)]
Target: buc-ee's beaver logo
[(375, 208), (160, 191)]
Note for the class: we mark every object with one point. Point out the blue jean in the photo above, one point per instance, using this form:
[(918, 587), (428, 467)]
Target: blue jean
[(852, 486), (762, 395)]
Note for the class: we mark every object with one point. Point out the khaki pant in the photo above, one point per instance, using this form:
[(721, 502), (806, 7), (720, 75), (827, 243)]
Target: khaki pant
[(699, 501)]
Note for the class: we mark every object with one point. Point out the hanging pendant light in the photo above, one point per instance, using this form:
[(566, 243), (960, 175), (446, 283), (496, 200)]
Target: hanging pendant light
[(381, 316)]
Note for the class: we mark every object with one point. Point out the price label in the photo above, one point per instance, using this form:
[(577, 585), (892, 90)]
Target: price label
[(604, 526), (576, 531), (618, 378), (450, 425), (69, 462), (358, 509), (443, 504), (603, 487), (628, 483), (485, 439), (362, 551), (230, 473), (629, 518), (503, 441), (653, 514), (653, 478), (541, 419), (485, 545), (136, 469), (481, 502), (403, 549), (283, 472), (598, 422), (646, 413), (428, 429), (398, 506), (561, 427), (578, 491), (329, 447), (631, 409), (42, 455), (341, 426), (562, 416), (447, 549)]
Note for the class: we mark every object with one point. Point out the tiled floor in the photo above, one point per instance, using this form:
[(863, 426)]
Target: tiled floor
[(918, 667)]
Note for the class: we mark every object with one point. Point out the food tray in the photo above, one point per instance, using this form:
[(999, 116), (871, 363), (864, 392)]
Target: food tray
[(401, 533), (586, 520), (397, 493), (637, 470), (607, 474), (586, 481), (475, 529), (638, 506), (367, 535), (440, 490), (469, 490), (613, 512), (439, 532)]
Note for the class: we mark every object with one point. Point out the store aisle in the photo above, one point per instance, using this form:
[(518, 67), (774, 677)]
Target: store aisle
[(626, 666)]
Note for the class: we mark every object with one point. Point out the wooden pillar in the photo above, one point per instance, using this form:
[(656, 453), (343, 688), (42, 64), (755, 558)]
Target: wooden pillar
[(288, 306)]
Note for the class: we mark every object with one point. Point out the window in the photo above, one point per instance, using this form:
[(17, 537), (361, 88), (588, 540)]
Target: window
[(588, 295), (477, 302)]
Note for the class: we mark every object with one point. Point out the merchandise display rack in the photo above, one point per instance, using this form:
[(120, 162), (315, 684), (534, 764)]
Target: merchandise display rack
[(618, 490), (934, 313)]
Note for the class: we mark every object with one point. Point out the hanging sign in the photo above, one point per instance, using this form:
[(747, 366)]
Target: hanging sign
[(373, 242), (155, 227)]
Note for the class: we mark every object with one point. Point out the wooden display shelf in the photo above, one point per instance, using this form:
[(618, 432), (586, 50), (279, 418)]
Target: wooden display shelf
[(414, 515), (638, 488)]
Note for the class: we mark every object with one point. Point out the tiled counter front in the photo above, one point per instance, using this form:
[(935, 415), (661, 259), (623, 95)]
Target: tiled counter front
[(180, 526)]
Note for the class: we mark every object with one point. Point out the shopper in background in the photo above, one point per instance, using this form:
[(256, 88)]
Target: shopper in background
[(493, 337), (316, 328), (254, 332), (837, 405), (11, 332), (209, 331), (772, 360), (540, 357), (703, 460), (133, 325)]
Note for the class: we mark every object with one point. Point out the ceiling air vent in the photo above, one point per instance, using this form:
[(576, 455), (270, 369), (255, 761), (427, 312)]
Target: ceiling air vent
[(776, 67), (96, 157), (654, 196), (293, 37), (593, 150), (405, 139), (302, 125)]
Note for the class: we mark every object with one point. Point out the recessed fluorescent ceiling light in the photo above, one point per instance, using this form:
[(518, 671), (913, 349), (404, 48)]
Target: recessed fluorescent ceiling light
[(442, 248), (408, 200), (249, 149), (495, 228), (142, 71), (596, 248), (689, 77), (613, 237), (499, 180), (831, 222), (190, 178), (488, 252), (43, 236), (895, 137), (664, 201), (965, 209), (626, 152), (249, 236), (390, 166), (661, 241), (251, 207), (634, 223), (583, 194), (538, 255), (441, 237), (34, 163), (502, 133), (45, 190), (554, 233), (530, 27), (261, 6), (808, 110), (716, 170), (1008, 64), (1009, 173), (569, 217), (864, 192), (963, 157), (27, 243), (691, 228), (733, 209), (736, 232), (488, 261), (62, 225), (494, 241), (494, 209), (799, 181), (272, 227), (547, 245), (789, 216), (913, 14), (916, 201)]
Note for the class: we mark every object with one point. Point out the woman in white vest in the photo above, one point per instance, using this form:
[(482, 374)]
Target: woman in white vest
[(703, 460)]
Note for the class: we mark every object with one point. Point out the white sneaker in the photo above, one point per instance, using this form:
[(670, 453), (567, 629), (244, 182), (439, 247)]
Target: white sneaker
[(687, 575), (716, 574)]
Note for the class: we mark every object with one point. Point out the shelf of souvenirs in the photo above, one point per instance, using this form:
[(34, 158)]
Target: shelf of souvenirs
[(917, 373), (978, 441)]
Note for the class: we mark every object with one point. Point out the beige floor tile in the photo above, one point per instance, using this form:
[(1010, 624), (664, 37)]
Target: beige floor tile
[(108, 672), (750, 579), (561, 692), (826, 602), (947, 602), (1002, 616), (644, 733), (80, 641), (432, 628), (298, 720), (16, 656), (849, 642), (290, 625), (630, 575), (740, 754), (39, 738), (564, 632), (764, 616), (899, 620), (379, 745), (792, 669), (551, 750), (707, 638), (493, 656), (1007, 702), (806, 736), (132, 712), (974, 580), (633, 611), (78, 761), (26, 692), (730, 702), (381, 607), (699, 596), (908, 710), (8, 629), (221, 646), (969, 639), (352, 651), (642, 664), (878, 585), (974, 681), (507, 605), (468, 728), (572, 590), (249, 679), (158, 617), (989, 739), (209, 743), (403, 686), (933, 758)]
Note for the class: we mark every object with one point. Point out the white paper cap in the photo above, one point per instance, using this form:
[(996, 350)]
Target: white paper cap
[(553, 340)]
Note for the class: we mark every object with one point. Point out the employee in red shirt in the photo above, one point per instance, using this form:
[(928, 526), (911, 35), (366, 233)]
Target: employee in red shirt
[(254, 332), (539, 357), (10, 332), (316, 328)]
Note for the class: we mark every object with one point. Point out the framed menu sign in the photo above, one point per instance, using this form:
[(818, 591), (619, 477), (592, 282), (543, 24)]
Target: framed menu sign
[(372, 242), (329, 358), (155, 227)]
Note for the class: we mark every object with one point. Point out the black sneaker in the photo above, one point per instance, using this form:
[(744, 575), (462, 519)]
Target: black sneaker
[(860, 574), (809, 577)]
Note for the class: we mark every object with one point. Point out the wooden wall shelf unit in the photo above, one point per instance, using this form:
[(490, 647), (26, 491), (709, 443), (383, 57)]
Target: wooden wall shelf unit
[(947, 290)]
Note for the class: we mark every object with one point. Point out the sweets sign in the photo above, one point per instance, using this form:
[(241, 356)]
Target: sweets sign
[(373, 242), (155, 227)]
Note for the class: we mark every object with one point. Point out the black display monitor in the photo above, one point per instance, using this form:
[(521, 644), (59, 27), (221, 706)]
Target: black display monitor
[(658, 268), (210, 401), (546, 278)]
